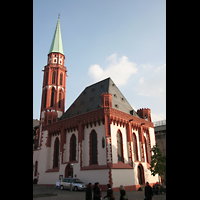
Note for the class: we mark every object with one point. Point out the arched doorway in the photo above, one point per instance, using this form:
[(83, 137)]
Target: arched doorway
[(68, 171), (141, 179)]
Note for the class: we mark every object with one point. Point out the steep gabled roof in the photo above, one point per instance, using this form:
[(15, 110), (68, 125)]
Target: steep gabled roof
[(56, 45), (90, 99)]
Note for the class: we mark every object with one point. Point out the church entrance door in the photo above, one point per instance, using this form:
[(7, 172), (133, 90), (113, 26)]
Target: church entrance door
[(141, 174), (68, 171)]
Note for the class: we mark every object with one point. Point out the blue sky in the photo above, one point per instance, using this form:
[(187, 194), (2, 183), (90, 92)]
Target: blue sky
[(121, 39)]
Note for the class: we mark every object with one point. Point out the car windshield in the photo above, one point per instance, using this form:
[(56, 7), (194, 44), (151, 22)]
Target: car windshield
[(77, 181)]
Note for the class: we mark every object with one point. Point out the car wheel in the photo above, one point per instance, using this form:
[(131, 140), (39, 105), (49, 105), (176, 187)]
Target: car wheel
[(75, 188), (62, 187)]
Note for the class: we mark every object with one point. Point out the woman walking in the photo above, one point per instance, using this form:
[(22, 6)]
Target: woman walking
[(109, 192), (122, 193)]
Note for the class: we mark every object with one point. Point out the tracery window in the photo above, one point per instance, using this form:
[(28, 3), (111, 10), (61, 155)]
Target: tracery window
[(93, 147), (53, 77), (73, 148), (119, 147), (56, 153), (52, 96)]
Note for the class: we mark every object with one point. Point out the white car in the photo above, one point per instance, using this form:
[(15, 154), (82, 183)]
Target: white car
[(76, 183)]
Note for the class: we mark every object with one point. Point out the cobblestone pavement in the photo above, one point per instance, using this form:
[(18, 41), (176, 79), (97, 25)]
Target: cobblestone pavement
[(80, 195)]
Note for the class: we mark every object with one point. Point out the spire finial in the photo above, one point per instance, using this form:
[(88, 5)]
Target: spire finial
[(58, 15)]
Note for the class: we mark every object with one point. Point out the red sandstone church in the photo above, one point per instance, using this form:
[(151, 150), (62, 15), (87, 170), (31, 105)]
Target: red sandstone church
[(100, 137)]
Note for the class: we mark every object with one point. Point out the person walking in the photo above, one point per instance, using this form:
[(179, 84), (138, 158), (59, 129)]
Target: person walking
[(109, 192), (96, 191), (122, 193), (148, 191), (88, 194)]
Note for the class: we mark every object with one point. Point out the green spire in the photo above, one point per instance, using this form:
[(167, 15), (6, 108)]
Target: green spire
[(56, 45)]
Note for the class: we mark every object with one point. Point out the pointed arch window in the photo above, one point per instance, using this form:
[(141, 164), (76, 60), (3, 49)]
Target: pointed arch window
[(119, 147), (135, 147), (61, 78), (47, 78), (53, 77), (56, 153), (60, 95), (73, 148), (52, 96), (146, 150), (45, 98), (93, 147)]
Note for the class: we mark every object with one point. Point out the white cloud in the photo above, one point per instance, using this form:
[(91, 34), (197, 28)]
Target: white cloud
[(158, 117), (119, 69), (153, 85)]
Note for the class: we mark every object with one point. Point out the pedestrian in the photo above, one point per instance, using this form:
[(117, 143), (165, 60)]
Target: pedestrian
[(88, 194), (122, 193), (97, 192), (148, 191), (109, 192)]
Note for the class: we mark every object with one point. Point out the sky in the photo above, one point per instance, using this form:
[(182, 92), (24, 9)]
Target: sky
[(121, 39)]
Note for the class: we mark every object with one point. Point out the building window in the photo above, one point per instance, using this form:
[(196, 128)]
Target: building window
[(93, 147), (47, 78), (119, 147), (135, 147), (53, 77), (61, 77), (146, 150), (59, 100), (45, 98), (52, 96), (73, 148), (56, 153)]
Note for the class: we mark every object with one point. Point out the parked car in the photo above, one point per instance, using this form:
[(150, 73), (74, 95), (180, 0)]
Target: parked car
[(57, 184), (77, 184)]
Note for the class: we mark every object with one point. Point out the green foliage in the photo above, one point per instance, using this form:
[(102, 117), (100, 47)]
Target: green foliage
[(158, 162)]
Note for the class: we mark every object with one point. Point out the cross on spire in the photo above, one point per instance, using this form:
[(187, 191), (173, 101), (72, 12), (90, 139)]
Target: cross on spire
[(58, 15)]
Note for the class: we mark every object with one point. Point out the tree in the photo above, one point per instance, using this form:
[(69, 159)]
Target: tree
[(158, 162)]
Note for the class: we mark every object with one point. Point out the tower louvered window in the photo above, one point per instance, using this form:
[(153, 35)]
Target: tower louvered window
[(52, 96), (53, 77)]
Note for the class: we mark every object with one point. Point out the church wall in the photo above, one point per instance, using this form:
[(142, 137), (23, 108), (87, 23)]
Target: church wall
[(67, 146), (92, 176), (100, 130), (114, 129), (152, 136), (138, 143), (123, 177), (36, 154)]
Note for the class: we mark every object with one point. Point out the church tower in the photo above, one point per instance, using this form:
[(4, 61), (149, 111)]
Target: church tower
[(54, 81)]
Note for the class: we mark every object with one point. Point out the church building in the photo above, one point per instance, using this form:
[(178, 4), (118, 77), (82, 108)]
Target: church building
[(99, 138)]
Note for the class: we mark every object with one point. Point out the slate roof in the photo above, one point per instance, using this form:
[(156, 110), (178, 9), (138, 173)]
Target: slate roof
[(90, 99)]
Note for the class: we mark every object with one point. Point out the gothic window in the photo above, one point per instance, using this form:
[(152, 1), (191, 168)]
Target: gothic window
[(53, 77), (45, 98), (52, 96), (47, 78), (59, 104), (56, 153), (36, 167), (119, 147), (93, 147), (135, 147), (73, 148), (61, 77), (146, 150)]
